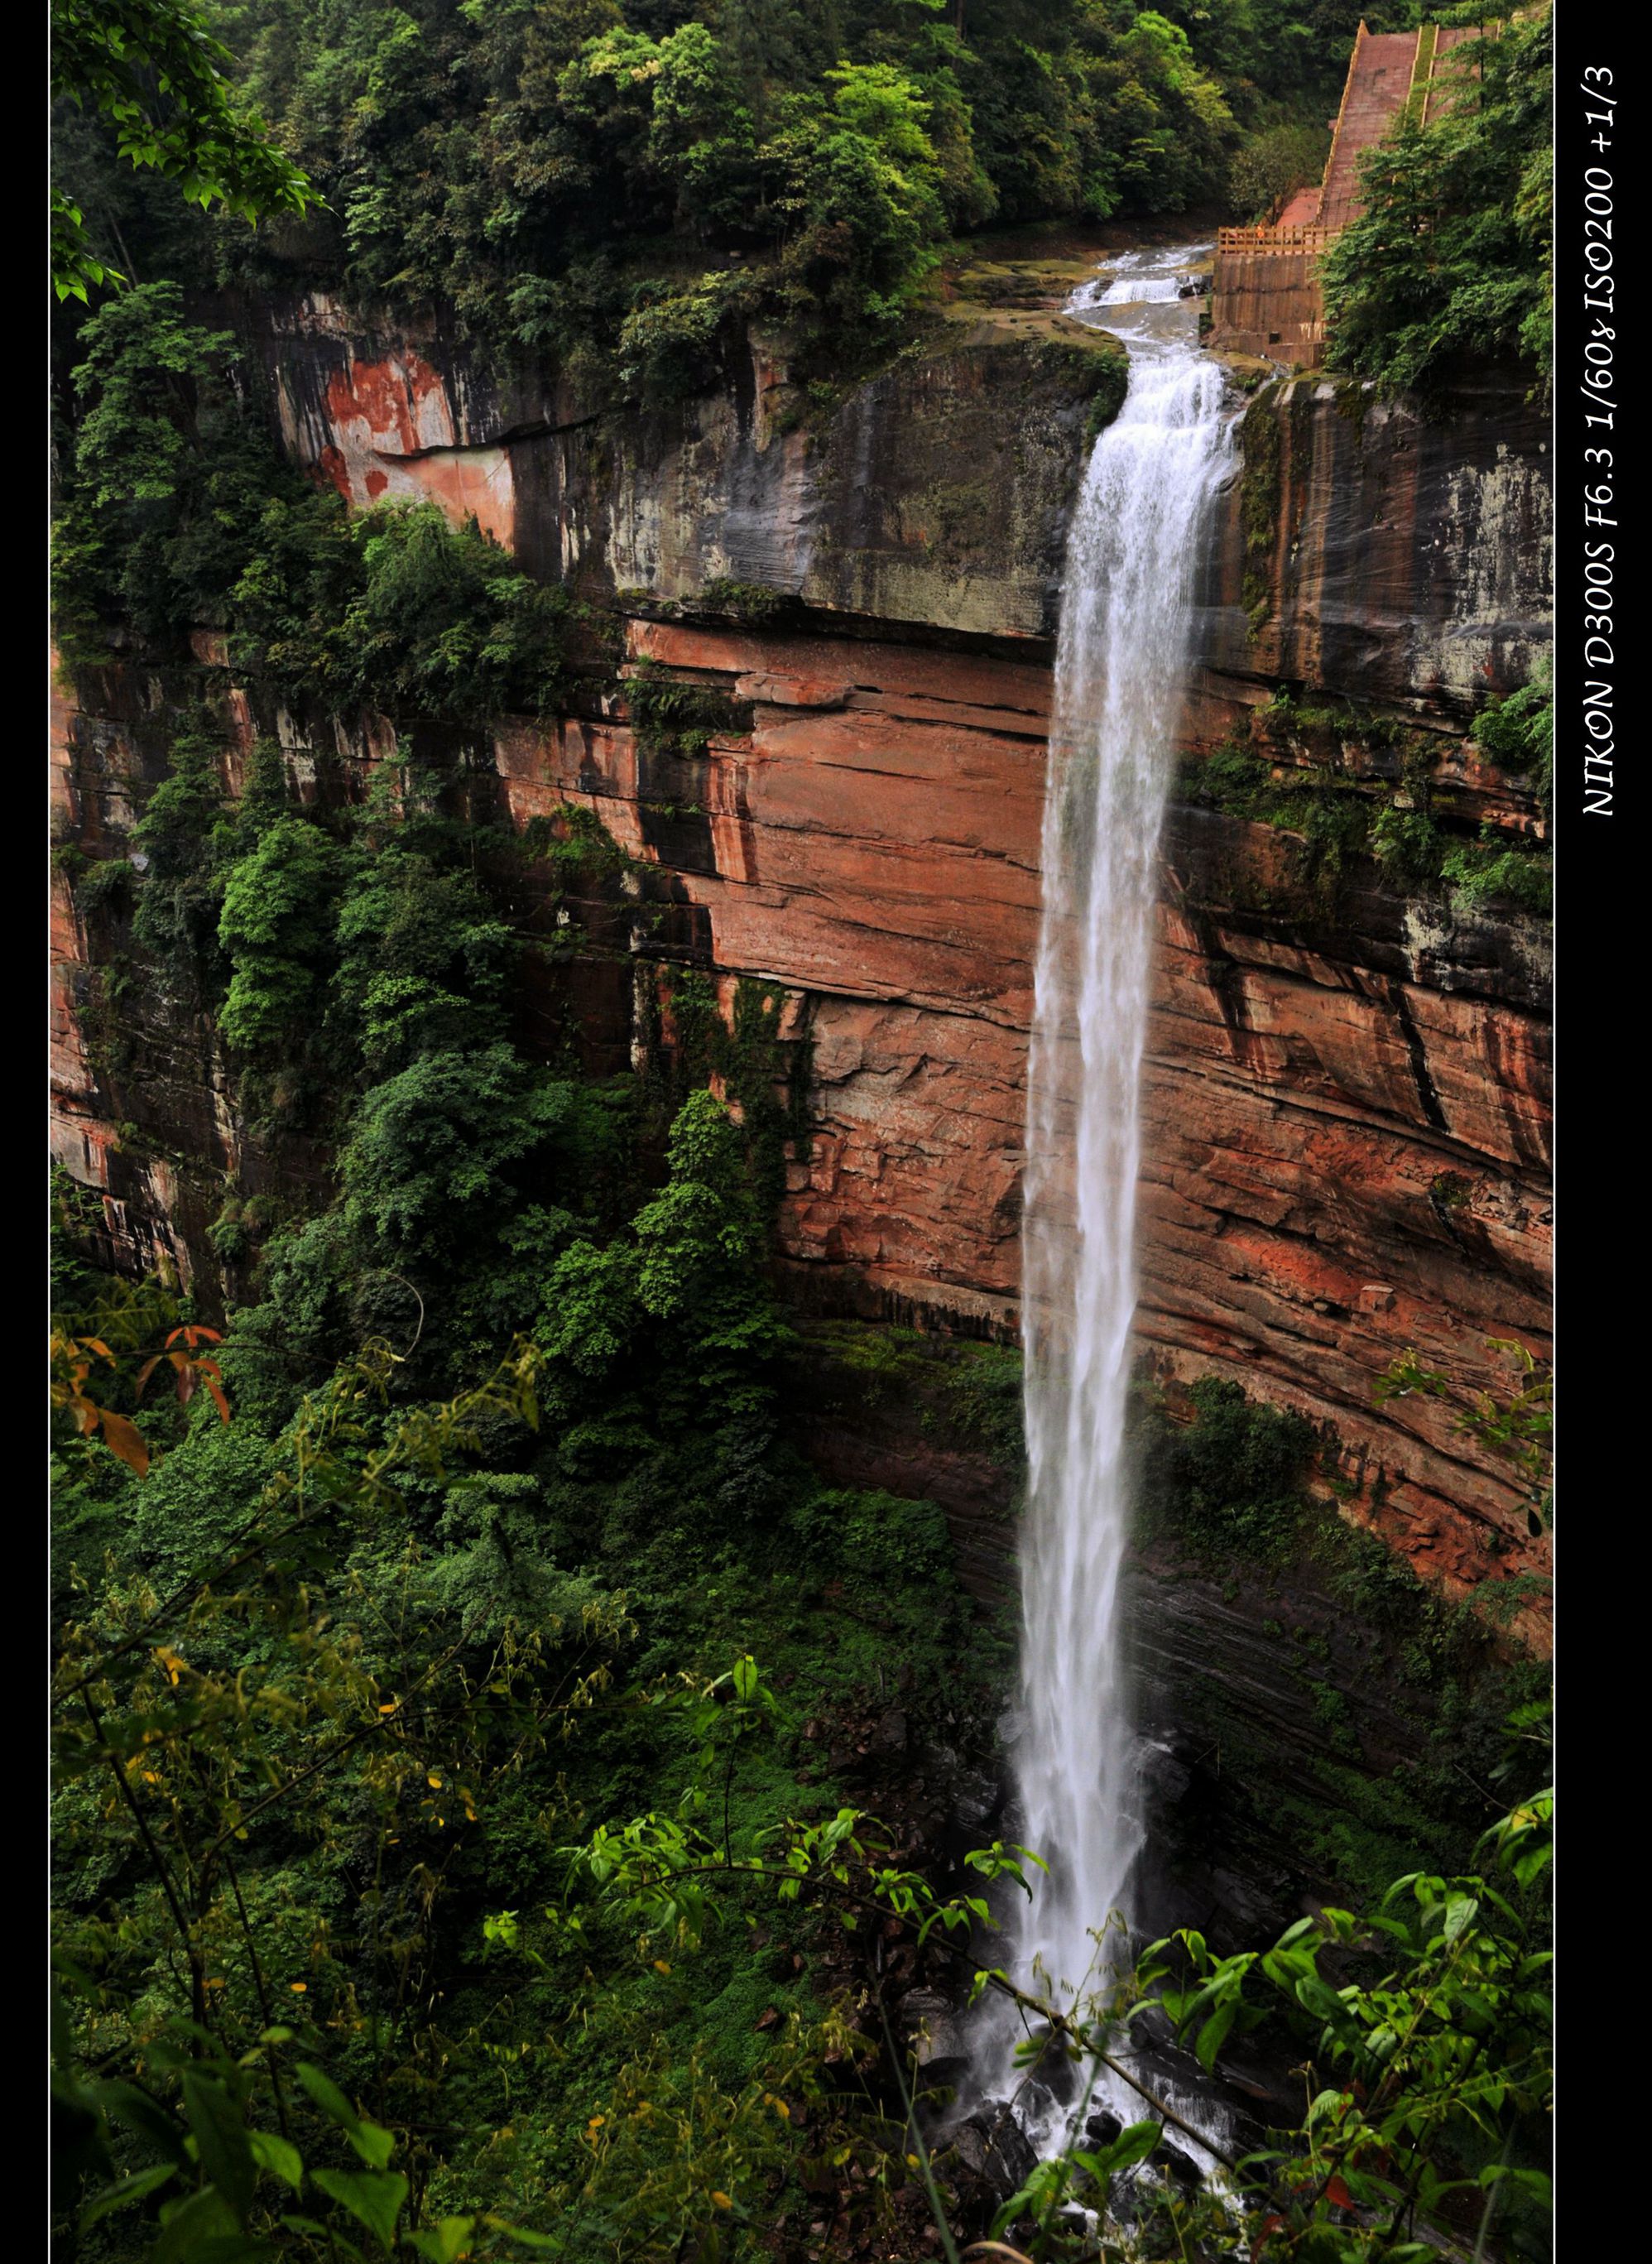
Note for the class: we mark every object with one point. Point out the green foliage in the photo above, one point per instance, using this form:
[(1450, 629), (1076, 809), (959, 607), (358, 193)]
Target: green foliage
[(395, 608), (625, 187), (1273, 164), (1230, 1482), (745, 601), (424, 960), (1337, 818), (1518, 1428), (1433, 2064), (1451, 260), (672, 715), (276, 928), (1486, 873), (185, 833), (680, 1299), (437, 1151), (152, 71), (1261, 447), (444, 622), (1518, 731), (576, 845), (164, 473), (326, 1705), (883, 1547), (180, 513), (983, 1402)]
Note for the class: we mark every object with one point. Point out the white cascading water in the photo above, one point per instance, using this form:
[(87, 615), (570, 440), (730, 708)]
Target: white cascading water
[(1137, 532)]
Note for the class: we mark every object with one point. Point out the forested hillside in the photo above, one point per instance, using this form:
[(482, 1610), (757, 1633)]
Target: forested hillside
[(531, 1690)]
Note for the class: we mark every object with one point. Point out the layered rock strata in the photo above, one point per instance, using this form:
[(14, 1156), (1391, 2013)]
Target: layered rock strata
[(1347, 1104)]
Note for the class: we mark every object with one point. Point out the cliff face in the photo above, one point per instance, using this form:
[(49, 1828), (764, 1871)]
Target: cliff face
[(935, 494), (1346, 1135)]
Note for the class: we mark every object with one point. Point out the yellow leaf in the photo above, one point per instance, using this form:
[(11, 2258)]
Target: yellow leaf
[(125, 1439), (722, 2201), (434, 1782), (390, 1709), (660, 1965)]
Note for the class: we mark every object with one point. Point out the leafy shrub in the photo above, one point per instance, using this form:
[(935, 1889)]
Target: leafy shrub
[(277, 930), (424, 960), (1484, 873), (1267, 168), (164, 478), (448, 1152), (671, 343), (881, 1545), (444, 622), (1518, 731)]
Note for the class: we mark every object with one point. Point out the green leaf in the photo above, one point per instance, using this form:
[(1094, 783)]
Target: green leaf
[(202, 2217), (1133, 2145), (1460, 1912), (376, 2197), (1319, 1997), (443, 2242), (219, 2132), (326, 2094), (1213, 2035), (129, 2190), (373, 2142), (276, 2155), (124, 2102)]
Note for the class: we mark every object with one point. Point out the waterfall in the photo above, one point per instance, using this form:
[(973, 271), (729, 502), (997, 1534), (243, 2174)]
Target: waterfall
[(1121, 661)]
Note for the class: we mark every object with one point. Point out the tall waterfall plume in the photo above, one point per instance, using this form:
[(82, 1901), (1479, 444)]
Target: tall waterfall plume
[(1137, 534)]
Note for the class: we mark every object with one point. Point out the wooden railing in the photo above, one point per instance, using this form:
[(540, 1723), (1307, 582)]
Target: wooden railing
[(1271, 241)]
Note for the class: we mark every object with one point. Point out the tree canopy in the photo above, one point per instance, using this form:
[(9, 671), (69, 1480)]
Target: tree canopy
[(153, 73)]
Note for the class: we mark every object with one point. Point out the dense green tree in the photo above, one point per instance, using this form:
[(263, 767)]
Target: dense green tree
[(152, 72), (277, 929), (620, 184)]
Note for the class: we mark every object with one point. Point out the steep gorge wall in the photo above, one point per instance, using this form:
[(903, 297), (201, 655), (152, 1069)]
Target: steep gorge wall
[(1346, 1093)]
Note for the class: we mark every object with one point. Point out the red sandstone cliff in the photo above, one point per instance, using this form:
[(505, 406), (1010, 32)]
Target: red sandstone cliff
[(1347, 1099)]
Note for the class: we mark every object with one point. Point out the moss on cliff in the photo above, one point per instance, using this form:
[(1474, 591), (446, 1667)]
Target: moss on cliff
[(1261, 449), (1351, 786)]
